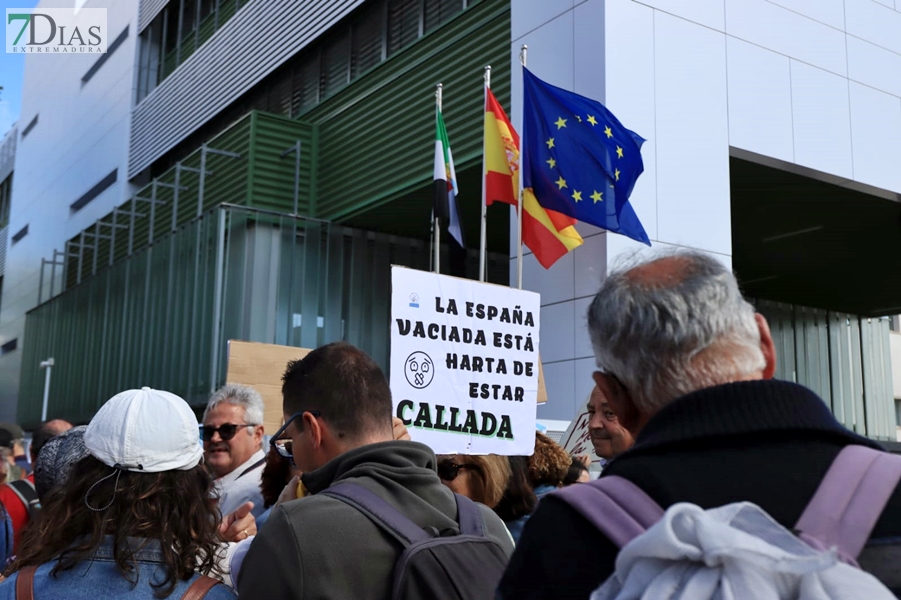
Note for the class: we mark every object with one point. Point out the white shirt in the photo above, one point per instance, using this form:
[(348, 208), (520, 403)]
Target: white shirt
[(242, 485)]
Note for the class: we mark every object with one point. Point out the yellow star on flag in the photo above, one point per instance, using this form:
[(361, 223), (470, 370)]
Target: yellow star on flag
[(561, 183), (578, 118), (616, 174), (577, 196), (592, 120), (597, 196), (608, 131), (560, 122), (551, 162), (619, 152), (550, 143)]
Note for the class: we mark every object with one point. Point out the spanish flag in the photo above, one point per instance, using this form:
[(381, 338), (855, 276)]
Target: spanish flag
[(548, 234)]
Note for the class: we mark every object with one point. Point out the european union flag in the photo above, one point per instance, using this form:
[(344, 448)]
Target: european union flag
[(579, 159)]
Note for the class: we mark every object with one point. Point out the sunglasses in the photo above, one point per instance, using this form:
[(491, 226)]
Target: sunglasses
[(284, 446), (226, 431), (448, 469)]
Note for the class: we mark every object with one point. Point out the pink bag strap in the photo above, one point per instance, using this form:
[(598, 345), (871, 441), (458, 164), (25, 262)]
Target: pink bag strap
[(615, 506), (851, 497)]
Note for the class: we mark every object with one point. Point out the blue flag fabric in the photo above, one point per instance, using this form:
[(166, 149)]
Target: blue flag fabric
[(579, 159)]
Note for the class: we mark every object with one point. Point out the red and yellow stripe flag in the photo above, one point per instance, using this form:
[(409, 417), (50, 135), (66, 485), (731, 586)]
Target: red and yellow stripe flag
[(548, 234)]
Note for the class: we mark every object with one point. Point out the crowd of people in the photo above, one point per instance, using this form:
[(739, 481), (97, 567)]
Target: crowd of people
[(341, 503)]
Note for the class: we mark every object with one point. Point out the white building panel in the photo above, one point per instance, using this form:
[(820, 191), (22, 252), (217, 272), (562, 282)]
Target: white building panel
[(876, 23), (532, 14), (590, 265), (786, 32), (709, 13), (558, 332), (821, 120), (554, 284), (828, 12), (692, 135), (876, 137), (631, 94), (874, 66), (760, 100)]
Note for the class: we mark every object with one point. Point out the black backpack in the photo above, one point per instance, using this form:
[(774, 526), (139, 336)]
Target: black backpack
[(458, 566)]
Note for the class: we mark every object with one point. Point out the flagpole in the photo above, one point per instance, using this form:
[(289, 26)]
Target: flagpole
[(522, 60), (483, 249), (437, 221)]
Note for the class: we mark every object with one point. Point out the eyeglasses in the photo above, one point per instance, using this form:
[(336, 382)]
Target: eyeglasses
[(284, 446), (226, 431), (448, 469)]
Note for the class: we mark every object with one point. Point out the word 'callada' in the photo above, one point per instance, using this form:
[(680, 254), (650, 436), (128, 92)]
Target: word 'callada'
[(490, 426)]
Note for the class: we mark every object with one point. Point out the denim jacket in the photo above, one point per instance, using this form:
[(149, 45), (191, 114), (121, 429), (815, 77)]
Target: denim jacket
[(99, 579)]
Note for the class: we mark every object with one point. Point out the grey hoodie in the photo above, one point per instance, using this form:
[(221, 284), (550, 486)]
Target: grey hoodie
[(319, 547)]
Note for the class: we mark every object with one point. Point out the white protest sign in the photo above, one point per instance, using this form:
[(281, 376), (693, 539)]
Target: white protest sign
[(464, 363)]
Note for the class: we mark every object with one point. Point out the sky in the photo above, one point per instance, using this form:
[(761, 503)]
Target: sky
[(11, 67)]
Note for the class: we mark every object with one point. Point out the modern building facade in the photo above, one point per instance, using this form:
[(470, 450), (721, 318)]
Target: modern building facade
[(246, 169), (774, 138)]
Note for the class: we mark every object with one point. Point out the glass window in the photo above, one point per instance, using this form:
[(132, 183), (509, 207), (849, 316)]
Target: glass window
[(367, 33), (403, 23), (335, 63), (437, 12)]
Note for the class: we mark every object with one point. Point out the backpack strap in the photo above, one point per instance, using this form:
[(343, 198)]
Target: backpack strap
[(849, 501), (24, 489), (25, 583), (615, 506), (379, 511), (198, 588), (469, 517)]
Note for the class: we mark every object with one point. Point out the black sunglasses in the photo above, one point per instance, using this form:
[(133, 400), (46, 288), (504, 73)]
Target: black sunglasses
[(448, 469), (284, 446), (226, 431)]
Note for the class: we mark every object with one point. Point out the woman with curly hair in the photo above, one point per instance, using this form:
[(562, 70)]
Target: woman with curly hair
[(548, 465), (134, 518)]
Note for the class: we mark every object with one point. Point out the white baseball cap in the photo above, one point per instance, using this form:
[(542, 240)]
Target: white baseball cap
[(146, 431)]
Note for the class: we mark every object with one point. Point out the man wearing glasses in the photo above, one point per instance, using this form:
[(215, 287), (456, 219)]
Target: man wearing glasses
[(338, 429), (232, 433)]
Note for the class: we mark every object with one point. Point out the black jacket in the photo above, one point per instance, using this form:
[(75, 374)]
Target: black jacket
[(766, 442), (321, 547)]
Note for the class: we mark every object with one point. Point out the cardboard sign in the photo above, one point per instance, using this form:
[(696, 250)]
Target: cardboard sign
[(261, 366), (464, 363), (576, 439)]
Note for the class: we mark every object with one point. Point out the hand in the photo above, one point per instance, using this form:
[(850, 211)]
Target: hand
[(289, 493), (238, 525), (585, 459), (400, 430)]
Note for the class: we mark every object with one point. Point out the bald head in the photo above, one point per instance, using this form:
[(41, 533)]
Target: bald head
[(673, 324), (44, 432), (668, 271)]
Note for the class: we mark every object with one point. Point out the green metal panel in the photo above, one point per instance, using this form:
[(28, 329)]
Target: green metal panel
[(272, 176), (376, 136), (227, 181), (150, 319)]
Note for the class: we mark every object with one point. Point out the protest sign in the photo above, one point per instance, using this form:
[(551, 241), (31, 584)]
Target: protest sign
[(576, 439), (261, 366), (464, 363)]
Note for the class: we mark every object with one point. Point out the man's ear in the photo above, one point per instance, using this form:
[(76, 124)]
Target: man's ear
[(766, 346), (619, 400), (315, 429)]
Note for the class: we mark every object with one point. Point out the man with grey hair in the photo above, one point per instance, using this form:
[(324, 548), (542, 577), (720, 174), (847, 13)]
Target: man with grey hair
[(687, 365), (232, 433)]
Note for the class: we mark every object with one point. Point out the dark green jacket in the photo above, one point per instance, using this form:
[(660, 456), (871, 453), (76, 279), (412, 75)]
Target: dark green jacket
[(319, 547)]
